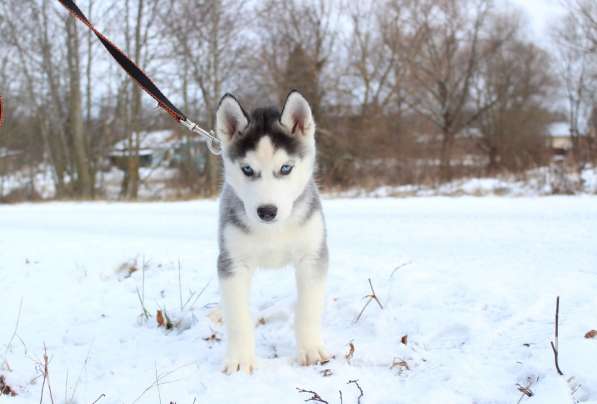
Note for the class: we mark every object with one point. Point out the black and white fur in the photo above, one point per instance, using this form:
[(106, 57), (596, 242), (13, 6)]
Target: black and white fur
[(270, 217)]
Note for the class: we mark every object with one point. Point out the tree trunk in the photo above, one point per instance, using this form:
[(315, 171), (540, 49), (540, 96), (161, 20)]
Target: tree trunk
[(445, 168), (56, 116), (492, 165), (75, 112), (212, 165), (213, 162), (88, 71), (134, 136)]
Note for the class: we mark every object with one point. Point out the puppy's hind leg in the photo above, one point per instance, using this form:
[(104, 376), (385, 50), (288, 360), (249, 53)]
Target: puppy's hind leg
[(311, 274), (235, 285)]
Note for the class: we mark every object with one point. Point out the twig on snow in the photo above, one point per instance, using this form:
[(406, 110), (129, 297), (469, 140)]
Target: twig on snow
[(160, 382), (16, 329), (555, 346), (66, 388), (197, 296), (574, 387), (142, 302), (99, 398), (356, 383), (400, 364), (46, 375), (314, 396), (72, 397), (526, 390), (144, 265), (157, 383), (180, 285), (371, 297), (399, 267)]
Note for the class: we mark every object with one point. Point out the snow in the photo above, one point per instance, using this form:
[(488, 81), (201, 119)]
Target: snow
[(151, 140), (559, 129), (39, 178), (474, 290), (4, 152), (542, 15), (543, 181), (159, 183), (156, 183)]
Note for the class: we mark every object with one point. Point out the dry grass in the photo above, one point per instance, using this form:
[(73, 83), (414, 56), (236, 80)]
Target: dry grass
[(5, 388), (371, 297)]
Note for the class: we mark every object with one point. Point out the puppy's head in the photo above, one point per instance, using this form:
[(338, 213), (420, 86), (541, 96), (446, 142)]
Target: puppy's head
[(269, 156)]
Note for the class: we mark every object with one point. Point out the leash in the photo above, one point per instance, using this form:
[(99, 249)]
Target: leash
[(213, 143)]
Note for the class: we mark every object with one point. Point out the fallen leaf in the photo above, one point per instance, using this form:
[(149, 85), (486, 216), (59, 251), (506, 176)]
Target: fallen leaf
[(326, 372), (399, 363), (5, 389), (350, 352), (525, 390), (127, 268), (212, 338), (159, 317), (591, 334)]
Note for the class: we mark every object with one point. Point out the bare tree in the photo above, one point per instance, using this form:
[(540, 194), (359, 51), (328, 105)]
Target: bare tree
[(141, 43), (583, 14), (207, 43), (297, 43), (368, 119), (577, 62), (521, 82), (287, 27), (445, 47), (375, 67), (378, 75), (28, 36), (51, 94)]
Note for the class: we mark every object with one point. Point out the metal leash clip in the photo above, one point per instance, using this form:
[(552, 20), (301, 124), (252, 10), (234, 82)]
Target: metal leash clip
[(213, 143)]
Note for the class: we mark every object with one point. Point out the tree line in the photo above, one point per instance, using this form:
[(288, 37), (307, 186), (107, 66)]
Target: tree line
[(403, 91)]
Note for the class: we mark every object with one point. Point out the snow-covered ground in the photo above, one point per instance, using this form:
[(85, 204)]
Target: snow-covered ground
[(474, 291), (541, 181), (159, 184)]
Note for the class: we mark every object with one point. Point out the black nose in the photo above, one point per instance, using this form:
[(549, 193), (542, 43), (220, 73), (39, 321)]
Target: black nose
[(267, 213)]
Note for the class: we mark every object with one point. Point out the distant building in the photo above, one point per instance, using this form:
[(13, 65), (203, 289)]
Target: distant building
[(8, 158), (165, 148), (559, 138), (8, 153)]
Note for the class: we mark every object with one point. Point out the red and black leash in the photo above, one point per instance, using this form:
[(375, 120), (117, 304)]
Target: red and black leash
[(143, 80)]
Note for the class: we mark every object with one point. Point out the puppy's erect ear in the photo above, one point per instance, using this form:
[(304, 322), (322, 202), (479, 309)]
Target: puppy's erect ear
[(231, 118), (297, 116)]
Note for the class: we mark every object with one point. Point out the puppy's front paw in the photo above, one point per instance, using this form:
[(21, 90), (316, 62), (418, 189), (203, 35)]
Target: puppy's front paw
[(312, 355), (240, 361)]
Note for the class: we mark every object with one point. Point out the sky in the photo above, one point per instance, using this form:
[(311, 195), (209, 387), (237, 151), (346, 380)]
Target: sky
[(541, 14)]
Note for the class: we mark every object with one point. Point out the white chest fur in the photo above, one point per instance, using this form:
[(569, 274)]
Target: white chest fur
[(275, 245)]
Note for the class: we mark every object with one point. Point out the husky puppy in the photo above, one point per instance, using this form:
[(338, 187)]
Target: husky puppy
[(270, 217)]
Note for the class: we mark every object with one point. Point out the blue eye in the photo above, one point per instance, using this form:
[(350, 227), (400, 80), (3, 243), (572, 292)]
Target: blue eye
[(248, 171), (286, 169)]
